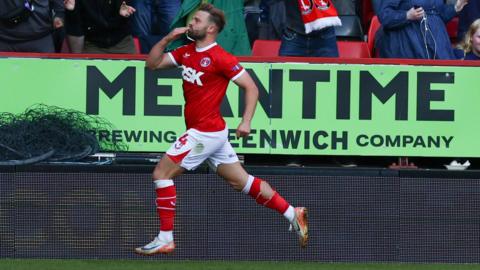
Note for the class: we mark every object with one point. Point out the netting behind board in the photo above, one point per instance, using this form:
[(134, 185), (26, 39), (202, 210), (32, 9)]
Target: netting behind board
[(51, 133), (105, 215)]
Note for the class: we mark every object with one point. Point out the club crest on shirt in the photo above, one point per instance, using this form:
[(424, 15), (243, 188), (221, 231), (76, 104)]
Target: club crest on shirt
[(306, 6), (205, 62), (322, 4)]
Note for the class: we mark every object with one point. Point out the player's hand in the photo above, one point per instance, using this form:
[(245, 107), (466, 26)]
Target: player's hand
[(460, 4), (57, 23), (243, 129), (126, 10), (177, 33), (69, 4), (415, 14)]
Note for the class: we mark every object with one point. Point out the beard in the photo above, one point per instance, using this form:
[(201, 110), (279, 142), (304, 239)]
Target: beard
[(197, 35)]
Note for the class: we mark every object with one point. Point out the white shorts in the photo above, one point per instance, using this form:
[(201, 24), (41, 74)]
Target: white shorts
[(194, 147)]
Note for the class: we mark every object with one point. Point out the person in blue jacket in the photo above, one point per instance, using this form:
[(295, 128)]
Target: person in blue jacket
[(416, 28), (470, 13)]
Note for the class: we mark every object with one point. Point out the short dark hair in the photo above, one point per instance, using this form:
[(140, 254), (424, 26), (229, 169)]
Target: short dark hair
[(216, 15)]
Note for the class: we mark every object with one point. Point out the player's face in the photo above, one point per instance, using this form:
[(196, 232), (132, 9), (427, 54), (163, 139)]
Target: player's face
[(198, 26), (476, 42)]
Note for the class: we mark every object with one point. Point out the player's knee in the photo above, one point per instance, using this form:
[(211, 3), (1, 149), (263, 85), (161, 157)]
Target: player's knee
[(166, 169)]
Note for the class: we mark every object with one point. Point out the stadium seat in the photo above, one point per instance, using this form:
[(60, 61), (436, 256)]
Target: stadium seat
[(136, 42), (351, 28), (452, 28), (367, 13), (346, 49), (353, 49), (265, 47), (372, 30)]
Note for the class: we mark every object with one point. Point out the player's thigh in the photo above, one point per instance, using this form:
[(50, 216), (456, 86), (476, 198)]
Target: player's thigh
[(227, 165), (166, 169)]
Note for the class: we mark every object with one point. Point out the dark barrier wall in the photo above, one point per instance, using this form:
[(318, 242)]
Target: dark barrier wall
[(61, 214)]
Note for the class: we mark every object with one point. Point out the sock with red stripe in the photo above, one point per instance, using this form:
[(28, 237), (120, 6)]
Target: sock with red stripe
[(276, 202), (166, 200)]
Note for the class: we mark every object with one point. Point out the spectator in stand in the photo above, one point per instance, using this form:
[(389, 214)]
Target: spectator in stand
[(309, 29), (470, 13), (251, 13), (99, 26), (272, 19), (416, 29), (471, 42), (27, 26), (152, 20)]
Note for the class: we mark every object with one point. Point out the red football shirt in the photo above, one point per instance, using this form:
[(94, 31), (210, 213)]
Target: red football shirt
[(206, 74)]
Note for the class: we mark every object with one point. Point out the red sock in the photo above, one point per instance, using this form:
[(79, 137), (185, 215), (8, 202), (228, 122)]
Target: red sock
[(276, 202), (166, 200)]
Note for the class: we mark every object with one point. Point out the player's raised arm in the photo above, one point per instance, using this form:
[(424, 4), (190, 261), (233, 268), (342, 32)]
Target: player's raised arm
[(156, 58), (251, 97)]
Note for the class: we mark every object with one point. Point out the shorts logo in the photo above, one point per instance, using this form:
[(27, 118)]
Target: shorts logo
[(199, 148), (205, 62)]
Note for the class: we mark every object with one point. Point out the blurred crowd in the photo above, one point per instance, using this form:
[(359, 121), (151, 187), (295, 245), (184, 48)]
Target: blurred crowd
[(419, 29)]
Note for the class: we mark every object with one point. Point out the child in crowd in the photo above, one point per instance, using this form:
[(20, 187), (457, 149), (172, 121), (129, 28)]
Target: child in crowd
[(471, 42)]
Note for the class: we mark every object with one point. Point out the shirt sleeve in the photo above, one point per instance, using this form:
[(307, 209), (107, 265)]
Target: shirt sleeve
[(230, 67), (177, 55)]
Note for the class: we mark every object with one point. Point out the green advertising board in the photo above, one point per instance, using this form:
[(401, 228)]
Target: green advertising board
[(308, 109)]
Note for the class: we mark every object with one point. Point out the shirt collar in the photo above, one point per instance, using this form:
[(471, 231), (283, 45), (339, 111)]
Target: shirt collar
[(206, 48)]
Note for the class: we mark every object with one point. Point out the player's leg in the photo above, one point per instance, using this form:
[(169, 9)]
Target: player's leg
[(226, 163), (236, 176), (163, 175), (186, 153), (172, 164)]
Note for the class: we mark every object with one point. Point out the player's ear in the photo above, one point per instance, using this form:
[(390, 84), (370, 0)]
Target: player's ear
[(212, 28)]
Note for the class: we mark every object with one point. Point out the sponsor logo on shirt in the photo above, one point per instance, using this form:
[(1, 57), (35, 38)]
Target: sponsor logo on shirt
[(191, 75)]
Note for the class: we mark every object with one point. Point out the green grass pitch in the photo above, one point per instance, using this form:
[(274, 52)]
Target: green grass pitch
[(40, 264)]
